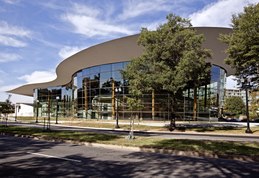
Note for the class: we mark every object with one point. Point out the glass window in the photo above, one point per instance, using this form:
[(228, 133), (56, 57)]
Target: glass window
[(94, 84), (94, 70), (215, 73), (95, 76), (117, 66), (105, 91), (86, 72), (116, 75), (75, 81), (105, 76), (79, 74), (125, 64), (106, 68), (105, 83), (79, 82)]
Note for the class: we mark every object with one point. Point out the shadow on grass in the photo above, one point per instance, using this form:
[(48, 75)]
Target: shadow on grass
[(82, 136), (201, 147), (58, 135), (214, 129), (204, 128)]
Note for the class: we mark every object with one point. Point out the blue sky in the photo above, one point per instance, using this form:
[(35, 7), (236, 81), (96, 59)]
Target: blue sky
[(35, 36)]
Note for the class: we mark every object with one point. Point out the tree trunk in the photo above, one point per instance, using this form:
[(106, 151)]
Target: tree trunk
[(153, 104), (172, 125), (131, 133), (195, 103)]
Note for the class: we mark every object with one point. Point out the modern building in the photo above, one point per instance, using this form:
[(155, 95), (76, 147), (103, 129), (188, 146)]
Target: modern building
[(89, 84), (235, 92)]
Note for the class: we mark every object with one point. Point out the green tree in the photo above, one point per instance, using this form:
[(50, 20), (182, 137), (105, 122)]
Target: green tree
[(235, 105), (173, 59), (6, 108), (243, 44), (254, 104)]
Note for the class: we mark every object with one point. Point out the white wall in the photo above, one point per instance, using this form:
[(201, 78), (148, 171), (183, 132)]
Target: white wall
[(25, 110)]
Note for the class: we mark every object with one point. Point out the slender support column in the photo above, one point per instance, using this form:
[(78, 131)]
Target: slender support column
[(248, 130), (205, 97), (37, 110), (86, 98), (113, 99), (48, 123)]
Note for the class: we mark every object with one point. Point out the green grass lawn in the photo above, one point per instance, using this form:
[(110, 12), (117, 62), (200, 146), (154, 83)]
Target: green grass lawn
[(124, 124), (220, 148)]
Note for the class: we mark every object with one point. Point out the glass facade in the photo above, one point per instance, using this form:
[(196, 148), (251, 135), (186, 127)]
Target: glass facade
[(100, 92)]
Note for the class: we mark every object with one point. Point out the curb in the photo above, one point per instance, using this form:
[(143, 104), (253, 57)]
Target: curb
[(144, 149)]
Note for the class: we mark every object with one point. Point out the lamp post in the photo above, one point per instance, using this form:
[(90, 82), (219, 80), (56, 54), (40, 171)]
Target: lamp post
[(37, 111), (0, 111), (117, 91), (48, 123), (17, 108), (57, 98), (246, 84)]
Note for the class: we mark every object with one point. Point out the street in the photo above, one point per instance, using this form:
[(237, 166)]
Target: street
[(23, 157)]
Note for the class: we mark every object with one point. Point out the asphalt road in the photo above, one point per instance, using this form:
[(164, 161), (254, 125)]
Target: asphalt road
[(23, 157), (170, 135)]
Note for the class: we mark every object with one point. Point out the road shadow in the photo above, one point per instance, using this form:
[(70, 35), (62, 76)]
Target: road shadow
[(101, 162), (207, 148), (182, 166)]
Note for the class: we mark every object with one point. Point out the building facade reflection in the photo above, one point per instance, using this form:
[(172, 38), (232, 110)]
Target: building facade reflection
[(91, 95)]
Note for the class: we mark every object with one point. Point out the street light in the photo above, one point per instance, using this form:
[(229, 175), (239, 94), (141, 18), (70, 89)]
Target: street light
[(0, 111), (117, 91), (37, 110), (57, 98), (246, 84), (17, 108)]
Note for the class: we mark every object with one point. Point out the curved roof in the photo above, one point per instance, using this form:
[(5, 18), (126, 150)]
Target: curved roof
[(119, 50)]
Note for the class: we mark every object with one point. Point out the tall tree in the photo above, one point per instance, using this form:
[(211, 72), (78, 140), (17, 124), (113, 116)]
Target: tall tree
[(243, 44), (173, 58)]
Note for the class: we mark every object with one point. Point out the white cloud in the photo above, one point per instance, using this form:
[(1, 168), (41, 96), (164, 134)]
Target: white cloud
[(9, 41), (8, 87), (136, 8), (90, 26), (153, 25), (219, 14), (90, 22), (68, 51), (6, 29), (11, 1), (3, 73), (8, 57), (85, 10), (9, 35), (38, 77)]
